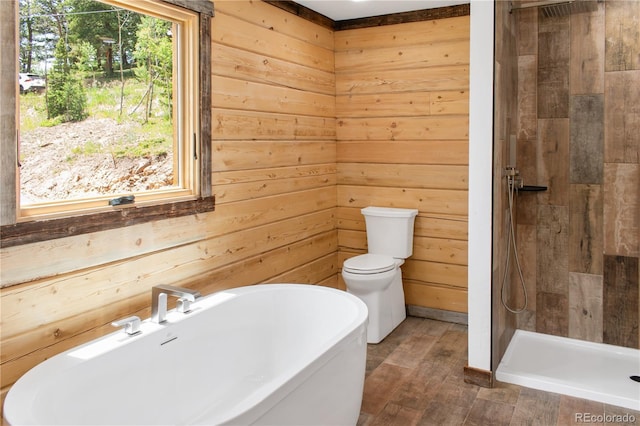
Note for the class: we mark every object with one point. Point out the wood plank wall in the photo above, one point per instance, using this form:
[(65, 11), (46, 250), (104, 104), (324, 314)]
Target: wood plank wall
[(402, 141), (289, 180), (274, 178)]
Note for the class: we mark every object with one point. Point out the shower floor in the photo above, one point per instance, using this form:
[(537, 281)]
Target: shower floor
[(594, 371)]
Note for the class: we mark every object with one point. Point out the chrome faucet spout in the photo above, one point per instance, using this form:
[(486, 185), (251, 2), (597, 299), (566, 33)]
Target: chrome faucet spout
[(159, 295)]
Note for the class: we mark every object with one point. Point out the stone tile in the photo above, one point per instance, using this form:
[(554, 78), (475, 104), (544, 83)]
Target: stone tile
[(585, 229), (585, 307), (622, 209), (586, 145), (621, 299), (622, 117)]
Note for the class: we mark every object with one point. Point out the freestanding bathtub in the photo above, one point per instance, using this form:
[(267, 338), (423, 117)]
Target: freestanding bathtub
[(274, 354)]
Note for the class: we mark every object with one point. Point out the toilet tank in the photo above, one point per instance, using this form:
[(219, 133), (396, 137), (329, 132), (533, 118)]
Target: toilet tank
[(390, 231)]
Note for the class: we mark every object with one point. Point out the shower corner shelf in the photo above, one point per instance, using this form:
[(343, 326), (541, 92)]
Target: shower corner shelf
[(532, 188)]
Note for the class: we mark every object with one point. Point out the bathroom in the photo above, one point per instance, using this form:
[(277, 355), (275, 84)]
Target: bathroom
[(288, 201)]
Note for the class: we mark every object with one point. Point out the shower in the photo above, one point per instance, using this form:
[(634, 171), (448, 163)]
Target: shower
[(563, 91), (514, 182)]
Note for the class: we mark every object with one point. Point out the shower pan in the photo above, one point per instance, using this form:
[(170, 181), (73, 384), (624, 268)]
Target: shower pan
[(595, 371)]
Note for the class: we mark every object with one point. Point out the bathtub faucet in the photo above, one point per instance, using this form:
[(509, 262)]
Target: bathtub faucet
[(159, 301)]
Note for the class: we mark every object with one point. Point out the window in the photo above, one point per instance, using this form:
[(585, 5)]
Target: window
[(153, 57)]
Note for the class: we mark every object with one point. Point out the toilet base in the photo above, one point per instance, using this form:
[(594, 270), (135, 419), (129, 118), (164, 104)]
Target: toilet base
[(386, 309)]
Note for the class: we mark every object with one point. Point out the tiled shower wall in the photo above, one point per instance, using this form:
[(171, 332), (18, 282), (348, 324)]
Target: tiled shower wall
[(579, 135)]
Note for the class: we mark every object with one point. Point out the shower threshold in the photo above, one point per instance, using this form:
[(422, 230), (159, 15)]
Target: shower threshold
[(588, 370)]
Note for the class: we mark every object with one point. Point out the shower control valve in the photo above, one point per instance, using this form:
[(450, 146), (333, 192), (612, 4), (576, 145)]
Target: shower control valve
[(511, 171)]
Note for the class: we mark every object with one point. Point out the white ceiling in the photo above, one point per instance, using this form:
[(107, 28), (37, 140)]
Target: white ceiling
[(339, 10)]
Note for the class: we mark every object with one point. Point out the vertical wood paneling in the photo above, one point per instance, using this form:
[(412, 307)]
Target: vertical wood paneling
[(553, 160), (622, 209), (585, 225), (622, 35), (587, 52), (621, 288), (586, 139), (594, 177), (552, 255), (553, 67), (622, 117), (585, 307)]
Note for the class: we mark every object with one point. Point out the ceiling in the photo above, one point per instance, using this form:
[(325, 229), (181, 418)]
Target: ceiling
[(339, 10)]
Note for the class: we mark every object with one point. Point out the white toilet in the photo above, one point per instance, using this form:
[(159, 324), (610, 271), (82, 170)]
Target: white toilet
[(376, 277)]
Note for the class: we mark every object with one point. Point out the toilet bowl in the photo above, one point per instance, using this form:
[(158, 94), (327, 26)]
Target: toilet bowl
[(376, 277), (380, 288)]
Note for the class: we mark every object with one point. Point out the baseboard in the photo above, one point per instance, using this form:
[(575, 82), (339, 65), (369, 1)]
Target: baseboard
[(478, 377), (437, 314)]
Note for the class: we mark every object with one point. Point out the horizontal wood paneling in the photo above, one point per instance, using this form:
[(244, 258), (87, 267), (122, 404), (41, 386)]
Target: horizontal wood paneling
[(404, 152), (442, 53), (405, 175), (264, 15), (233, 31), (439, 127), (246, 95), (402, 130), (234, 155), (412, 33), (451, 77), (274, 170), (425, 200), (261, 68)]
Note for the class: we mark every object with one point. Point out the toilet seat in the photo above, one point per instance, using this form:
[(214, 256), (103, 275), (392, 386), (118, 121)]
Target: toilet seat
[(367, 264)]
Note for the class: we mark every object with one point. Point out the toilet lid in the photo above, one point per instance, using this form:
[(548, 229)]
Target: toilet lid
[(369, 264)]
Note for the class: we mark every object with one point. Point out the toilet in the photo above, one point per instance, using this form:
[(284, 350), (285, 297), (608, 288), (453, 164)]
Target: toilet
[(376, 277)]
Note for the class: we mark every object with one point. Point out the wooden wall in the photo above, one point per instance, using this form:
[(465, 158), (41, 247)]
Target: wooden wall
[(289, 180), (274, 178), (402, 141)]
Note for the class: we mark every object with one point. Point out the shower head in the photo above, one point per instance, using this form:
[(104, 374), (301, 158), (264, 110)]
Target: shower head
[(569, 8), (557, 8)]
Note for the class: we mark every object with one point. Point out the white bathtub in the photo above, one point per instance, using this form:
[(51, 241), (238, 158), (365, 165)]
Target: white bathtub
[(278, 354)]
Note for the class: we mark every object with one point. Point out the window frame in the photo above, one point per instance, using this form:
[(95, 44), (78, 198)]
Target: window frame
[(15, 230)]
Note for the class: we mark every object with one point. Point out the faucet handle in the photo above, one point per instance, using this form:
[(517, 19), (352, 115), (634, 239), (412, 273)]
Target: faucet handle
[(131, 324), (183, 305)]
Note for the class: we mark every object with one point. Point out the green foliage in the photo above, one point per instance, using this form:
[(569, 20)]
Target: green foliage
[(154, 56), (88, 148), (153, 147), (66, 97)]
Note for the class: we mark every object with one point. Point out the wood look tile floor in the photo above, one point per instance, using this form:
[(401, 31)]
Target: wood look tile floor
[(415, 377)]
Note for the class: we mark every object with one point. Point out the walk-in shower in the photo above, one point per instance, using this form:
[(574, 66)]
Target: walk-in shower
[(562, 86)]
